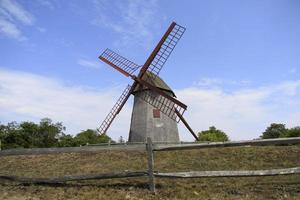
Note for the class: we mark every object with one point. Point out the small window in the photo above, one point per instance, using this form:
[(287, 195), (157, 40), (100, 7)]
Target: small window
[(156, 113)]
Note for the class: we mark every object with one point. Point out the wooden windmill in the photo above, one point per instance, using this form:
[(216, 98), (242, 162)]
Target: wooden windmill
[(156, 111)]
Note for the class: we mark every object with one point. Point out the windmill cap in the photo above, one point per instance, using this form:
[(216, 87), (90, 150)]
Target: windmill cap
[(155, 81)]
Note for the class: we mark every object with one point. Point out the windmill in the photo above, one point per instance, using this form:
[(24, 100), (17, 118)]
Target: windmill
[(156, 111)]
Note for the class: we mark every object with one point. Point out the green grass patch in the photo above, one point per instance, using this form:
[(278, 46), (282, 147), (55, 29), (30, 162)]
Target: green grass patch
[(237, 158)]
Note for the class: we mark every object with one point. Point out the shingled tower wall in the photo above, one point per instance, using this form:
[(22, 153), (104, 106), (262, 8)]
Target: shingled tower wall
[(147, 121)]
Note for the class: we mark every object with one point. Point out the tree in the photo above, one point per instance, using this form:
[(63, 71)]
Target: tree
[(66, 141), (45, 134), (30, 134), (275, 131), (293, 132), (11, 136), (50, 133), (212, 135), (2, 128), (90, 136), (121, 140), (2, 132)]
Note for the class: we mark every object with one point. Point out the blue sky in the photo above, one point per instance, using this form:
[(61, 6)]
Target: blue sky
[(236, 67)]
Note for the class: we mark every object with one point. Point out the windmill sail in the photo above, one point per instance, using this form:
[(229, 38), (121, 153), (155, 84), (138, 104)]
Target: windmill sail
[(158, 58), (166, 49), (118, 62), (115, 110), (165, 105)]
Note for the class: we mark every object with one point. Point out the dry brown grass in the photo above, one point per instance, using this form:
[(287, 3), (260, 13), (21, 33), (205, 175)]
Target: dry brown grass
[(280, 187)]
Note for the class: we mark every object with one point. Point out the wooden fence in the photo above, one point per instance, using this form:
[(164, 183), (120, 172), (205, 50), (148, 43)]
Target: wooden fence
[(150, 173)]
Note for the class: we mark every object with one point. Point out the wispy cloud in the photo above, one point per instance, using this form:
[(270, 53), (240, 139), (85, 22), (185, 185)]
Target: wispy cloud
[(217, 82), (46, 3), (9, 29), (12, 16), (292, 70), (243, 113), (134, 21), (41, 29), (17, 11), (208, 82), (89, 63)]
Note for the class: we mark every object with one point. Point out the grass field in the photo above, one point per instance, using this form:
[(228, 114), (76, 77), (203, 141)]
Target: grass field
[(238, 158)]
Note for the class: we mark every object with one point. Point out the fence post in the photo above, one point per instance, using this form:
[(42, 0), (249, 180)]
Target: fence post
[(150, 165)]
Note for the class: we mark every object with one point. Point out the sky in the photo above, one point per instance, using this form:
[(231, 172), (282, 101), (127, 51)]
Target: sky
[(237, 66)]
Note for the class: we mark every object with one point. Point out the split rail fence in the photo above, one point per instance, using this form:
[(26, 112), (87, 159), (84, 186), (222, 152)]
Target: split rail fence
[(151, 173)]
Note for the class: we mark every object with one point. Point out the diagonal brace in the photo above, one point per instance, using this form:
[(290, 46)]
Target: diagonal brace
[(186, 125)]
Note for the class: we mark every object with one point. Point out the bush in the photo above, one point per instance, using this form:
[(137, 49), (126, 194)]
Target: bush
[(293, 132), (275, 131), (213, 135), (90, 136), (279, 131), (66, 141)]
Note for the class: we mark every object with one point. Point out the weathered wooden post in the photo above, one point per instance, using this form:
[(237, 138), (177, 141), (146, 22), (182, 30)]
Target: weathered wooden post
[(150, 165)]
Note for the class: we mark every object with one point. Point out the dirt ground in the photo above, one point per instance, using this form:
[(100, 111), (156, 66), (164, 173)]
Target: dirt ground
[(238, 158)]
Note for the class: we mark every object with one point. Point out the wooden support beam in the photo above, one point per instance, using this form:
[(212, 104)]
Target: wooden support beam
[(150, 165), (114, 66), (186, 125)]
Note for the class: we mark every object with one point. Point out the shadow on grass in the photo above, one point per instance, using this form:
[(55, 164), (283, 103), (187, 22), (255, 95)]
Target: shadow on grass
[(79, 184)]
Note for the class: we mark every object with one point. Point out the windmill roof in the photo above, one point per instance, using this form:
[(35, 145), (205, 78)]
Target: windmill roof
[(157, 82)]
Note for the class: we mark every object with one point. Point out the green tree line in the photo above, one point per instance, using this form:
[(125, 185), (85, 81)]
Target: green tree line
[(45, 134), (273, 131), (276, 130), (49, 134)]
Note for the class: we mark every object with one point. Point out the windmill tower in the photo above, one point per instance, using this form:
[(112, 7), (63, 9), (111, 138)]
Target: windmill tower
[(147, 120), (156, 111)]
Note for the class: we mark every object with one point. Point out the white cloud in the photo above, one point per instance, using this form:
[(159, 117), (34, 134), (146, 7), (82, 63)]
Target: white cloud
[(133, 20), (25, 96), (11, 15), (89, 63), (243, 113)]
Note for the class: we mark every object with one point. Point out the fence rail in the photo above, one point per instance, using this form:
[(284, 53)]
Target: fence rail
[(150, 173), (244, 173), (83, 149), (125, 174), (263, 142), (200, 174), (141, 146)]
